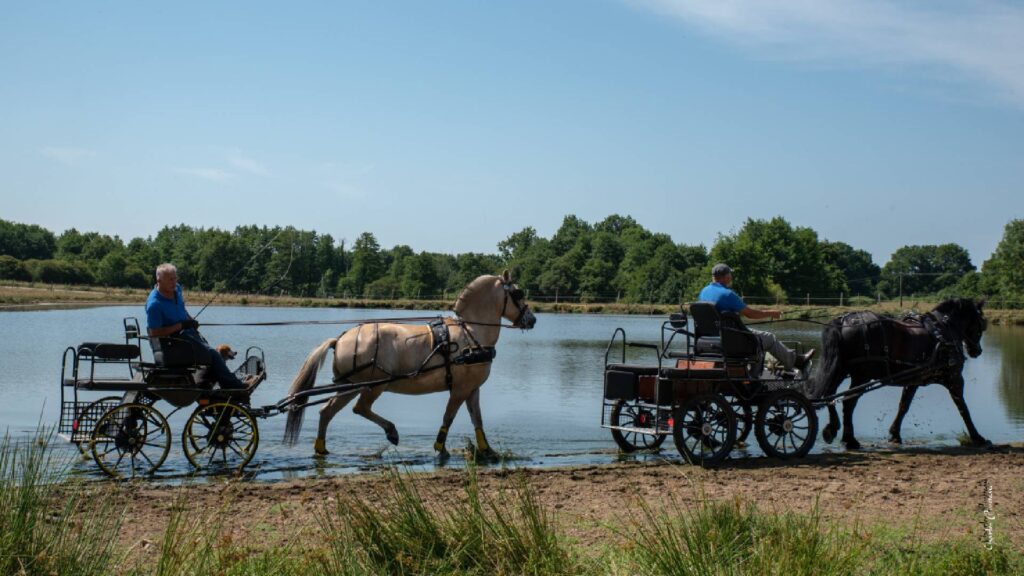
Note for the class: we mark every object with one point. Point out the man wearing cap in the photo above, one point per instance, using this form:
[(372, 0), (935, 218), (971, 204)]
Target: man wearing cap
[(725, 300)]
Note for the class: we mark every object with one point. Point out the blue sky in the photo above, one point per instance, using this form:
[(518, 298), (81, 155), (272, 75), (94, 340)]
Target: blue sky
[(448, 126)]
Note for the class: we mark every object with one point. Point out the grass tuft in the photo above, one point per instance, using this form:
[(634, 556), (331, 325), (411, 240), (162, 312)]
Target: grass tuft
[(471, 534), (45, 529)]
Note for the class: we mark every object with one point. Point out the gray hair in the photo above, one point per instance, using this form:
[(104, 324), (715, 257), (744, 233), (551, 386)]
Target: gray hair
[(165, 268)]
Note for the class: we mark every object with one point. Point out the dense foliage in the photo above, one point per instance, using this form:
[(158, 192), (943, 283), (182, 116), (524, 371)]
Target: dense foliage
[(615, 259)]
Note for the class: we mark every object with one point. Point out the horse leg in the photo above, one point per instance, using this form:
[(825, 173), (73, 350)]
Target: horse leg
[(905, 399), (849, 405), (483, 448), (455, 401), (364, 407), (327, 413), (831, 430), (956, 391)]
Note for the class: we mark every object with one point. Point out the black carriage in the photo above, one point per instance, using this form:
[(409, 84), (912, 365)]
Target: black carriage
[(709, 388), (109, 398)]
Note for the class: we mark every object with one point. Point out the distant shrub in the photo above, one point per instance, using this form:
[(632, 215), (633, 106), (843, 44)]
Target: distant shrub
[(13, 269), (59, 272), (860, 301)]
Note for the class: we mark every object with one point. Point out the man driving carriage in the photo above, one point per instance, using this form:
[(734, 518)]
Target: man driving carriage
[(725, 299), (166, 316)]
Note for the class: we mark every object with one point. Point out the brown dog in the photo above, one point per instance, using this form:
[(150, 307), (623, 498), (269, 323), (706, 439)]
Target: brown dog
[(226, 352)]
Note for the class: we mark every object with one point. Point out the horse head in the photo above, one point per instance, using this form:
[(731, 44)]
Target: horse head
[(491, 298), (968, 318), (522, 317)]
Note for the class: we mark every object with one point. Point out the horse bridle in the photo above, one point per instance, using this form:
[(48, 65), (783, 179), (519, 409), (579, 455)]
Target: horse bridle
[(515, 294)]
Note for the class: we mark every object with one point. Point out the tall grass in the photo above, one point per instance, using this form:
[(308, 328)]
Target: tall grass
[(52, 525), (466, 534), (734, 538), (44, 528)]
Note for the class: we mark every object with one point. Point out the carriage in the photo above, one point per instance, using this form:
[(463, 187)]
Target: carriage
[(709, 387), (110, 397), (109, 394)]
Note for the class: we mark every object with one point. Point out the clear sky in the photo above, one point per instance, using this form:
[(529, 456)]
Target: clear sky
[(448, 126)]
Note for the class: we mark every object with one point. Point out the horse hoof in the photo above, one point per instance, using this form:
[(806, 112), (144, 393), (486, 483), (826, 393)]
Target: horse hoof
[(852, 444), (320, 447), (443, 456), (895, 440), (980, 442), (828, 434), (392, 436), (487, 455)]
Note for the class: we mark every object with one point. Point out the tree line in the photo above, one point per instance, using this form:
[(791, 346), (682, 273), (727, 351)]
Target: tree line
[(616, 259)]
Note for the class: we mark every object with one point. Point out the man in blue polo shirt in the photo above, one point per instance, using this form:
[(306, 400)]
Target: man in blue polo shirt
[(166, 316), (725, 300)]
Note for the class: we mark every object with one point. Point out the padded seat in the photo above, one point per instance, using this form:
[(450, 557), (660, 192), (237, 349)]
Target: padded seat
[(172, 352), (107, 351), (694, 373), (724, 335), (636, 369)]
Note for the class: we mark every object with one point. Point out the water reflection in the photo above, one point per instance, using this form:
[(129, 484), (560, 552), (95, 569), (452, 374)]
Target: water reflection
[(1010, 345)]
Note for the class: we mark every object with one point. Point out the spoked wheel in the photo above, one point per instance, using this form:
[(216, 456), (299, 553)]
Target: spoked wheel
[(744, 419), (704, 429), (130, 440), (86, 419), (786, 425), (221, 435), (633, 416)]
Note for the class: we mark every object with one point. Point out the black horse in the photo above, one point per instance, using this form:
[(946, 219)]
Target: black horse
[(912, 352)]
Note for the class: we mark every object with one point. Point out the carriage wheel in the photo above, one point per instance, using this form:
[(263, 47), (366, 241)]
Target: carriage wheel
[(704, 429), (633, 416), (786, 425), (86, 418), (130, 440), (221, 435), (744, 418)]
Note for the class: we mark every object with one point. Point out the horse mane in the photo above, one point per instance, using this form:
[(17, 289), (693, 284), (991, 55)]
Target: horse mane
[(954, 306), (470, 288)]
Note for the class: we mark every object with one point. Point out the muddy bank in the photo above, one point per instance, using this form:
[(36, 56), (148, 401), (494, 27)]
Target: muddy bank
[(932, 495)]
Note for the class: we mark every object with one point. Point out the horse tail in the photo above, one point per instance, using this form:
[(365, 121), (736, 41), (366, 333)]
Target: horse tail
[(830, 371), (304, 380)]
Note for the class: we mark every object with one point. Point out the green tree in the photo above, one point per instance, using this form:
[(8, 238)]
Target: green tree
[(367, 264), (111, 269), (13, 269), (858, 270), (25, 241), (419, 277), (1006, 266), (925, 269), (771, 258)]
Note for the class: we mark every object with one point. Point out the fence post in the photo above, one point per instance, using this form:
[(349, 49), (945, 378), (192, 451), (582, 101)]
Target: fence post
[(840, 299), (556, 295), (808, 298)]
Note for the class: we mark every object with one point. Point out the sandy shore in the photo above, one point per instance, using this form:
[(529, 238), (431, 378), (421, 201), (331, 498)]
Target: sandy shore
[(935, 495)]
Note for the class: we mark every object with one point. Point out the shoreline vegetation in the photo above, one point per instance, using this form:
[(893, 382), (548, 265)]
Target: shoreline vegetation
[(636, 519), (16, 295)]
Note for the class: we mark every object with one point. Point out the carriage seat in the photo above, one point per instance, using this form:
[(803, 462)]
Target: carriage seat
[(103, 351), (722, 334), (178, 353)]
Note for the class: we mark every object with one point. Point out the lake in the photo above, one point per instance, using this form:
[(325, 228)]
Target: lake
[(541, 404)]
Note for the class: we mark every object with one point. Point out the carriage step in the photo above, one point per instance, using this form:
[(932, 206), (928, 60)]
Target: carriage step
[(650, 430)]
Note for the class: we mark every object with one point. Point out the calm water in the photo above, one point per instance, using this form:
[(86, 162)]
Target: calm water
[(541, 403)]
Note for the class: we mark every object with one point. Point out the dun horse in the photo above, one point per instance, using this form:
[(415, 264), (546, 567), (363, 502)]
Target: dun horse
[(915, 352), (416, 359)]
